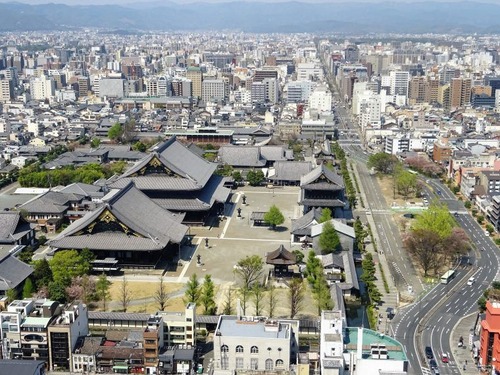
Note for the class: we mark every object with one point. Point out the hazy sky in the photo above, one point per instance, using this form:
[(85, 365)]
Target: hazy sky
[(124, 2)]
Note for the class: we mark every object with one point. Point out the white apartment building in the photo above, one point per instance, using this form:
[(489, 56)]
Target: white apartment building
[(6, 89), (369, 113), (331, 343), (272, 89), (42, 88), (321, 99), (310, 71)]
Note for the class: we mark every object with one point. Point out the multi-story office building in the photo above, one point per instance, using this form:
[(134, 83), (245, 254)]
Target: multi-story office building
[(399, 82), (490, 180), (6, 90), (311, 71), (321, 99), (299, 91), (214, 90), (194, 74), (260, 74), (272, 90), (258, 92), (419, 90)]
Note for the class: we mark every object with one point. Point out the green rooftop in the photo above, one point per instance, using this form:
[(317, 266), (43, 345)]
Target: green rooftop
[(394, 348)]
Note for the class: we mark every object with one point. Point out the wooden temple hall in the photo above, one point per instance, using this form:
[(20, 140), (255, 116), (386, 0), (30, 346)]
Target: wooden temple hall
[(180, 181), (281, 259)]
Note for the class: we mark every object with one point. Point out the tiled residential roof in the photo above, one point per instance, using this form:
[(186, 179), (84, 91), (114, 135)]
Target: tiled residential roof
[(51, 202), (13, 272)]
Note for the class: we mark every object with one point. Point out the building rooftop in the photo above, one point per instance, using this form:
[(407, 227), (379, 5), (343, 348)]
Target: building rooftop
[(252, 327), (395, 350), (36, 322)]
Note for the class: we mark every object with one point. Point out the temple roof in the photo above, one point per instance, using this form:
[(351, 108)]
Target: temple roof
[(178, 162), (322, 178), (12, 227), (281, 256), (127, 220)]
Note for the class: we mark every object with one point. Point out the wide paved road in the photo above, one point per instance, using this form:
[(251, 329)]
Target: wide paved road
[(429, 321)]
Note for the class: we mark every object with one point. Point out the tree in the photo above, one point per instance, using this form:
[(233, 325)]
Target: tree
[(207, 296), (436, 218), (57, 292), (272, 300), (161, 296), (139, 146), (361, 233), (115, 132), (406, 183), (274, 216), (295, 296), (425, 245), (244, 293), (82, 288), (382, 162), (12, 294), (249, 270), (255, 178), (258, 296), (95, 142), (237, 176), (26, 255), (192, 293), (329, 240), (326, 215), (28, 288), (102, 289), (42, 240), (67, 264), (125, 294), (468, 204), (299, 255), (227, 308), (321, 294), (42, 273)]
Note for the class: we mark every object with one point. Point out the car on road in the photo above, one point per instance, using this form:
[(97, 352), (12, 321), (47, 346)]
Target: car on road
[(435, 371), (433, 364), (471, 281), (445, 358), (486, 233), (428, 352)]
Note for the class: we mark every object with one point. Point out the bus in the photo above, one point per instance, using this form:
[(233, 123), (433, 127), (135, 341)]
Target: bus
[(445, 279)]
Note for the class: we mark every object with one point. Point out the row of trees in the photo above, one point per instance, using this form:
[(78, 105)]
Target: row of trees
[(318, 283), (35, 176), (349, 186), (329, 240), (435, 239)]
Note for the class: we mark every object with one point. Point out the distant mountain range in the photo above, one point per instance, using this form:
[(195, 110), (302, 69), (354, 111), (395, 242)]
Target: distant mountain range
[(292, 16)]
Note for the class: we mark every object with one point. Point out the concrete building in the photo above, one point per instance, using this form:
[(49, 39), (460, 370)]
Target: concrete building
[(299, 91), (64, 332), (399, 82), (179, 327), (42, 88), (254, 344), (6, 90), (460, 92), (214, 90), (310, 71), (347, 350), (321, 99), (490, 337), (490, 180), (196, 76)]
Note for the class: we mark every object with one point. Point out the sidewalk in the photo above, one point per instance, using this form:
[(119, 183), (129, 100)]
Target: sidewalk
[(464, 356)]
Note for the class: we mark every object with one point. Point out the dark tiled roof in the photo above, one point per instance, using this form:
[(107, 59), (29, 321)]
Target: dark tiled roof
[(312, 217), (291, 170), (155, 225), (281, 256), (51, 202), (316, 173), (180, 160), (159, 182), (13, 272), (102, 315), (242, 156), (20, 367)]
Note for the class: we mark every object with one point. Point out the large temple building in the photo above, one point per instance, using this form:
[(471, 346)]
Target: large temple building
[(180, 181), (128, 227)]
